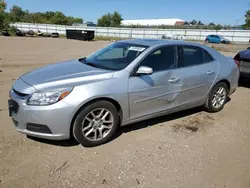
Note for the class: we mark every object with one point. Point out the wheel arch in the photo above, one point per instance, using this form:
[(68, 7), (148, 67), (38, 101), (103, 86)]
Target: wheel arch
[(112, 101), (226, 82)]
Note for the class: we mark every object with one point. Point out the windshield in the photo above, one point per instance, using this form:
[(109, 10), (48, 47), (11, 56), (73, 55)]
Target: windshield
[(115, 56)]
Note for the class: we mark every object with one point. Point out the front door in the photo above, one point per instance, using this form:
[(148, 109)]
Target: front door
[(149, 94)]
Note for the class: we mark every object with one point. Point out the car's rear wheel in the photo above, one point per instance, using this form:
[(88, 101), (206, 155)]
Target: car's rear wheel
[(96, 124), (217, 98), (207, 41)]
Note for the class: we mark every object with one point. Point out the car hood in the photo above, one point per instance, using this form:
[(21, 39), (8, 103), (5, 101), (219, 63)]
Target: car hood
[(245, 54), (66, 74)]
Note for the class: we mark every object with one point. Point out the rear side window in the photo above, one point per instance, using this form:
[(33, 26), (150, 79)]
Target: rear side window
[(192, 55), (207, 57)]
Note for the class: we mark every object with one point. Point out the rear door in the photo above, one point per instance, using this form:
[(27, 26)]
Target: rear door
[(199, 70), (160, 91)]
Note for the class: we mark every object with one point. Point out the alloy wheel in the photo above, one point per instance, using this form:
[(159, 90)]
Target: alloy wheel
[(97, 124), (219, 97)]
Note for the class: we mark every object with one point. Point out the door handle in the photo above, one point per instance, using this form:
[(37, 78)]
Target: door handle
[(210, 72), (174, 80)]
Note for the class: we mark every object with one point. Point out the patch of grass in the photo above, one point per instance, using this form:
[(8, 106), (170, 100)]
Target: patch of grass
[(194, 124), (12, 31), (62, 36), (108, 38)]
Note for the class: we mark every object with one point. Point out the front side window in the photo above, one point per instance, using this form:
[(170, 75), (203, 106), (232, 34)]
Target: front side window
[(115, 56), (192, 55), (161, 59)]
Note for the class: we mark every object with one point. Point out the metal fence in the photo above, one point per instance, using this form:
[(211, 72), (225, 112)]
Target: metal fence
[(185, 34)]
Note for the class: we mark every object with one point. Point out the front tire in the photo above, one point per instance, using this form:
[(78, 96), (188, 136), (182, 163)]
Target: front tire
[(217, 98), (96, 124)]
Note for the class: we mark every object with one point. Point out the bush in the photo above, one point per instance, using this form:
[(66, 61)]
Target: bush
[(108, 38)]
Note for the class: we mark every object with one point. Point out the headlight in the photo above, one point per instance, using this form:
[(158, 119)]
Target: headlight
[(48, 98)]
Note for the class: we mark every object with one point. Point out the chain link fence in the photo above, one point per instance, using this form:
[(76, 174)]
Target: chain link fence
[(241, 36)]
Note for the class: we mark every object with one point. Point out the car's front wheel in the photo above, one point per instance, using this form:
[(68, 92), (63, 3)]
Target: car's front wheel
[(96, 124), (217, 98)]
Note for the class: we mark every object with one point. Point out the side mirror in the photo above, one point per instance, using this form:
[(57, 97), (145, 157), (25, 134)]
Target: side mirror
[(143, 70)]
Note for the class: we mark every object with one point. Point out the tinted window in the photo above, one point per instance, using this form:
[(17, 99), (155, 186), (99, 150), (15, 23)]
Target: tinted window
[(207, 57), (193, 55), (112, 54), (161, 59)]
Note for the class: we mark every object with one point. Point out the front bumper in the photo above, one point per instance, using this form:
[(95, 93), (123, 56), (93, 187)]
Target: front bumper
[(57, 118)]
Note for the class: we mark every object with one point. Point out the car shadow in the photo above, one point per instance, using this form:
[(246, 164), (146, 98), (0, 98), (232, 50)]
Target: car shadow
[(129, 128), (157, 121), (125, 129), (63, 143), (244, 82)]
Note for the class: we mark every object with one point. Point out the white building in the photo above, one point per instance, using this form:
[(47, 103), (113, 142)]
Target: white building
[(153, 22)]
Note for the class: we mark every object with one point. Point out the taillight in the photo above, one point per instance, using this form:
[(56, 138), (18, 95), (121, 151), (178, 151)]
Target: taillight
[(237, 62)]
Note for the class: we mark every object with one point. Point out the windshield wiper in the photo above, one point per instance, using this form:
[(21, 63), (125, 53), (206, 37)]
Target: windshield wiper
[(83, 60), (92, 65)]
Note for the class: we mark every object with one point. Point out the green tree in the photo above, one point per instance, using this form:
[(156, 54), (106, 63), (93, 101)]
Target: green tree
[(211, 24), (247, 20), (200, 23), (193, 22), (59, 18), (72, 20), (110, 20), (16, 14), (104, 21), (3, 15), (218, 27), (116, 19)]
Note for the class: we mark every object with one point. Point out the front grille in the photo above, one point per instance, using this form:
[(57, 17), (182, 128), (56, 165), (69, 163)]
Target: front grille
[(38, 128)]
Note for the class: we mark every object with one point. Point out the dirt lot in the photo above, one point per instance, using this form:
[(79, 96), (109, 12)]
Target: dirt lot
[(192, 149)]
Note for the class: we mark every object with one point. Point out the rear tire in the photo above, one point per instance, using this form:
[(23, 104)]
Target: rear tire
[(207, 41), (92, 127), (217, 98)]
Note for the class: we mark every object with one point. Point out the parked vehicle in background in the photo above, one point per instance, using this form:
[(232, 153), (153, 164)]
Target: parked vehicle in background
[(123, 83), (217, 39), (5, 33), (243, 59), (20, 33), (54, 35)]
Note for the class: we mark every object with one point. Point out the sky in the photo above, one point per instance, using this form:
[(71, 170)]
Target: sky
[(217, 11)]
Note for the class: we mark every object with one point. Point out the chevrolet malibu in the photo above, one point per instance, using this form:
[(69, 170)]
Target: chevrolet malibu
[(125, 82)]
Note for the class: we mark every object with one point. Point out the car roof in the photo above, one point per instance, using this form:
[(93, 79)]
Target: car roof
[(157, 42)]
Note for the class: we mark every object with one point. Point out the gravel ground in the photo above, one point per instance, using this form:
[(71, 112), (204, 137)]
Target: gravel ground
[(191, 149)]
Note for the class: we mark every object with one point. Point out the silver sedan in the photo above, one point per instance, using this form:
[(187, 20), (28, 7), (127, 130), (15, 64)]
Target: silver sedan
[(125, 82)]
